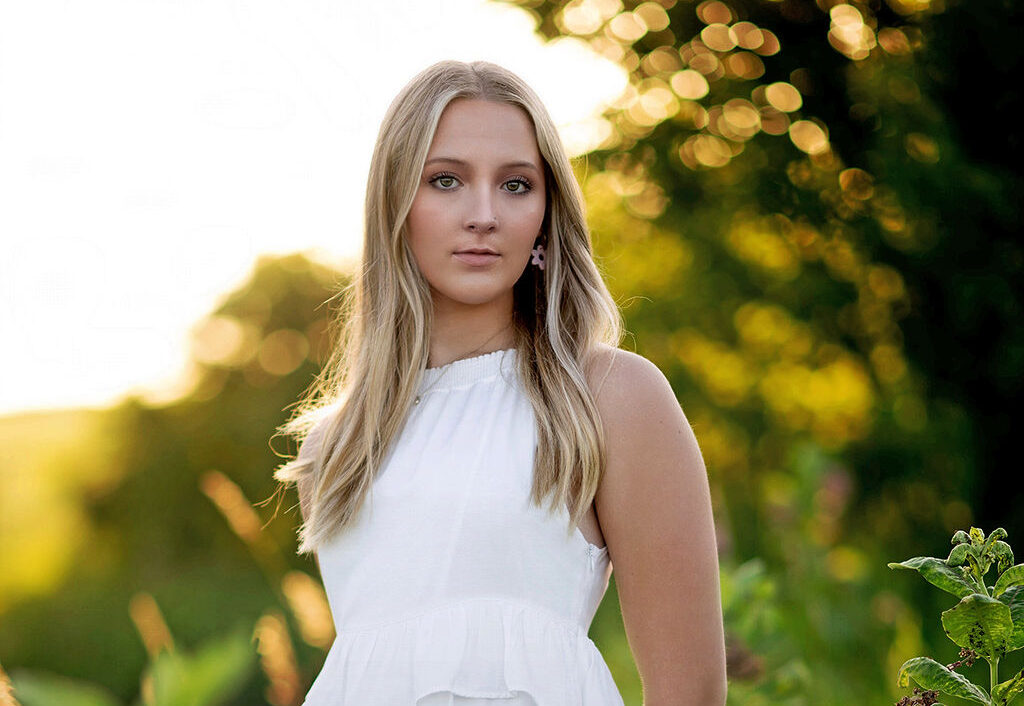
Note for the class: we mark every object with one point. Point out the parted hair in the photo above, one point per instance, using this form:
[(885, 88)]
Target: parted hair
[(358, 402)]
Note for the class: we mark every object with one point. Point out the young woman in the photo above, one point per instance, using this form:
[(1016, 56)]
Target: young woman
[(478, 453)]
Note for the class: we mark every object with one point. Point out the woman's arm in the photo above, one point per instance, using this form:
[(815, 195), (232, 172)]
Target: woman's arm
[(654, 508)]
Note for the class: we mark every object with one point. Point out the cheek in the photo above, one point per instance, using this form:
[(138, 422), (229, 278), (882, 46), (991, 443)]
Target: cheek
[(421, 223), (540, 215), (521, 215), (532, 221)]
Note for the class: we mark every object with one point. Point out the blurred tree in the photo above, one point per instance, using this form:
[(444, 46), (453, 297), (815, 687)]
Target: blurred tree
[(813, 207), (814, 285), (166, 479)]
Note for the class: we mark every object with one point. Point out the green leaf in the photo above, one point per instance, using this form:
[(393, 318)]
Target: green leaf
[(1003, 554), (217, 671), (958, 555), (43, 689), (929, 674), (996, 534), (1014, 576), (979, 623), (1006, 692), (938, 574), (1014, 599), (960, 537)]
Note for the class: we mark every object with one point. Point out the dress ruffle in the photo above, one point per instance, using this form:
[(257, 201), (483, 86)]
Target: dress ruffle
[(493, 648)]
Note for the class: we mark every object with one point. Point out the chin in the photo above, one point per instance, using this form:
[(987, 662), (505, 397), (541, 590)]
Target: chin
[(471, 296)]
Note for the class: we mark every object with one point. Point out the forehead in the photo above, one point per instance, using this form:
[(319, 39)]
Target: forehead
[(472, 128)]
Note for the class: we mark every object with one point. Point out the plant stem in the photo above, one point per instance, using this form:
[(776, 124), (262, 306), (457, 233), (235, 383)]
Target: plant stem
[(994, 669), (980, 580)]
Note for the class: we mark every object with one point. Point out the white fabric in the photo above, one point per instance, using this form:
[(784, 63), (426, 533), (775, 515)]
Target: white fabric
[(453, 588)]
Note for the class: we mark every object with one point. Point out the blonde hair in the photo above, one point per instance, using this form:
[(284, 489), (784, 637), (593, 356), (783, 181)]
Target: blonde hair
[(356, 406)]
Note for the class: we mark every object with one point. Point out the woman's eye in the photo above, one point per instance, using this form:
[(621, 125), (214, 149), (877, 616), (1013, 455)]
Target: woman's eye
[(447, 182)]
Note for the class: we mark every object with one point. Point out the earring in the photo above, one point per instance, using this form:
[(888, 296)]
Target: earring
[(538, 256)]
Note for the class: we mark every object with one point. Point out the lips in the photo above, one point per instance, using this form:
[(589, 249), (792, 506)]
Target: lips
[(476, 258)]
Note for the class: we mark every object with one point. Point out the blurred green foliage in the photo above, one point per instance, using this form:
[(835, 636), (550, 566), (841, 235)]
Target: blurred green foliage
[(832, 287), (207, 678)]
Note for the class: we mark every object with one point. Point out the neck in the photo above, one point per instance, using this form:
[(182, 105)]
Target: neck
[(468, 331)]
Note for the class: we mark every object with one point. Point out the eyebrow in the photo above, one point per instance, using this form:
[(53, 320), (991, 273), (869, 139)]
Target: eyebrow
[(463, 163)]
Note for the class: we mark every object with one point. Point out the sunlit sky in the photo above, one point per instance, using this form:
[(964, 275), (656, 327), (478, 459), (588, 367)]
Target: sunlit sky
[(151, 151)]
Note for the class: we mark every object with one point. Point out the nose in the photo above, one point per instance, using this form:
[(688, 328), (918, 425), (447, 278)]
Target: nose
[(481, 217), (482, 226)]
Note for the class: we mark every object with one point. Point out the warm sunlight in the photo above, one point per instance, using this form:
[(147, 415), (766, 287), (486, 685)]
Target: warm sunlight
[(147, 160)]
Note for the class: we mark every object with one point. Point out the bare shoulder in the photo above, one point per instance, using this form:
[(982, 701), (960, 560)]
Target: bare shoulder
[(627, 385)]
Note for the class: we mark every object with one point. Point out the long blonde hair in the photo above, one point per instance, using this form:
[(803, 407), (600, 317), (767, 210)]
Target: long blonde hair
[(357, 404)]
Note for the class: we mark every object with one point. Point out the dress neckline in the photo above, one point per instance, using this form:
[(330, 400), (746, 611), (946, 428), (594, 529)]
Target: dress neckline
[(467, 370)]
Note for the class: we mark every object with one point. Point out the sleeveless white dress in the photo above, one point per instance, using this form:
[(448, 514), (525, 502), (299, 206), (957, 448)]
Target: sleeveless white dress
[(452, 587)]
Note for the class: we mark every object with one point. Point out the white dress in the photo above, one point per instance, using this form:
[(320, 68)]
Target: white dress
[(452, 587)]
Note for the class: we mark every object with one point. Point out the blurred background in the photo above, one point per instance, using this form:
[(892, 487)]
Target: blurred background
[(808, 210)]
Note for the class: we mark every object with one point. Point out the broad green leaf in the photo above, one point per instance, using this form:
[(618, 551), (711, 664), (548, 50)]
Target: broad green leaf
[(1014, 599), (1014, 576), (960, 537), (938, 574), (1006, 692), (929, 674), (41, 689), (217, 671), (979, 623)]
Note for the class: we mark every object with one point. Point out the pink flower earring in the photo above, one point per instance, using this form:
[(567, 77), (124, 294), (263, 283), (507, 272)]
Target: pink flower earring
[(538, 256)]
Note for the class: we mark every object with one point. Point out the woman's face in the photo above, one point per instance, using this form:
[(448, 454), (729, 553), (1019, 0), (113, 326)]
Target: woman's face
[(482, 188)]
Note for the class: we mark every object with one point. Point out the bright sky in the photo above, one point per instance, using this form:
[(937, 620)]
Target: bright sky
[(151, 150)]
